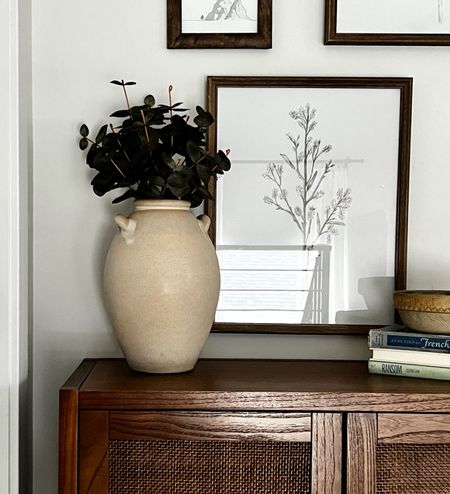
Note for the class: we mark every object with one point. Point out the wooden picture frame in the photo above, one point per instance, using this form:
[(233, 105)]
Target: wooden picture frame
[(257, 33), (244, 90), (342, 29)]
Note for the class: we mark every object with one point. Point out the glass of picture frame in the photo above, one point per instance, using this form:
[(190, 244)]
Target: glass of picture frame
[(219, 24), (310, 224), (385, 22)]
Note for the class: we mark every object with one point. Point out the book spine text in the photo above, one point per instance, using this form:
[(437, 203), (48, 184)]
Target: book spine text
[(409, 370), (385, 339)]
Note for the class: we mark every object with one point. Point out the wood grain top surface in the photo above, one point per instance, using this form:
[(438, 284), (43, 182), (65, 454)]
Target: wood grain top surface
[(232, 384)]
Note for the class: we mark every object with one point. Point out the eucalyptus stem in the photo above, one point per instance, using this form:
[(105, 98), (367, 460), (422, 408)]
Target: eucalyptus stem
[(126, 95), (170, 100), (117, 168), (145, 125), (170, 111)]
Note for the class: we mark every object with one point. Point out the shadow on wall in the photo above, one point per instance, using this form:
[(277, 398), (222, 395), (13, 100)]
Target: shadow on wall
[(379, 307)]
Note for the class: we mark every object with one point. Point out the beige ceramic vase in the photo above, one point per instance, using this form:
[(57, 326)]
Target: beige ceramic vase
[(161, 285)]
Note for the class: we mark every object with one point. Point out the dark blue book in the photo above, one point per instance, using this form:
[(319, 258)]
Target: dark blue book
[(401, 337)]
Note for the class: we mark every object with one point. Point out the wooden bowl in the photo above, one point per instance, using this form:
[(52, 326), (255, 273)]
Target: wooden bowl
[(424, 310)]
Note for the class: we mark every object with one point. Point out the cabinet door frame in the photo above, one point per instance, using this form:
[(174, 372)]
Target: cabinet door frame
[(366, 430), (326, 461), (97, 428)]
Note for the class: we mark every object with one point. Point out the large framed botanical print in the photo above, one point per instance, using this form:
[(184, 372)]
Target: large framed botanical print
[(310, 224)]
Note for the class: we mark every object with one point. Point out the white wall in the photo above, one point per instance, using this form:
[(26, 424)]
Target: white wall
[(80, 46)]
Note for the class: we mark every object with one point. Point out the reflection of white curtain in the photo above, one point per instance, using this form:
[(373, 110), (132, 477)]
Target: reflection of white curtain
[(336, 180)]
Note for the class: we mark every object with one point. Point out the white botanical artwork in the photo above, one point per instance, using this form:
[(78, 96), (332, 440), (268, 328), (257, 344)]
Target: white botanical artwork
[(219, 16), (305, 223), (308, 168), (393, 16)]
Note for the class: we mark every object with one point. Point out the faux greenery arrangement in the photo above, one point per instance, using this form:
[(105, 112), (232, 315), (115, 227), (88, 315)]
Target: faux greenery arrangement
[(154, 152)]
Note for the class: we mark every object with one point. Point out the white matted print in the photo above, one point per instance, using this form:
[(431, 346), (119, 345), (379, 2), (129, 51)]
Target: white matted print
[(393, 16), (219, 16), (306, 220)]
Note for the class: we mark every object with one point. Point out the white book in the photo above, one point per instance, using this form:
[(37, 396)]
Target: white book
[(411, 357)]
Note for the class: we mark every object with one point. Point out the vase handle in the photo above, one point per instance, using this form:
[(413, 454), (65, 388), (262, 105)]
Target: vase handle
[(204, 222), (127, 227)]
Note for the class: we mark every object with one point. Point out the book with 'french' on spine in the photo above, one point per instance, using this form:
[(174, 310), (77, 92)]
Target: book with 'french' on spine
[(401, 337)]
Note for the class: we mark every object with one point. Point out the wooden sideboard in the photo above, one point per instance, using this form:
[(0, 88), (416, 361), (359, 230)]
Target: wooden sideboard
[(252, 426)]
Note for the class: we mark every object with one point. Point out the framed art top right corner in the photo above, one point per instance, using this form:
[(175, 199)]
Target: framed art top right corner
[(387, 22)]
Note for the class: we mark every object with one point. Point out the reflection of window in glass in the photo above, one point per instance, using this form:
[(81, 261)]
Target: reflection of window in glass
[(287, 281), (297, 271), (284, 284)]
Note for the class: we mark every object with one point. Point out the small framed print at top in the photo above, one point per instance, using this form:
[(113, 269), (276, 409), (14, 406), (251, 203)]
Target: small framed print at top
[(387, 22), (219, 23), (310, 223)]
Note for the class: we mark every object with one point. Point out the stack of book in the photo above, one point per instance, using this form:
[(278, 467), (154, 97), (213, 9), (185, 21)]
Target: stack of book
[(399, 351)]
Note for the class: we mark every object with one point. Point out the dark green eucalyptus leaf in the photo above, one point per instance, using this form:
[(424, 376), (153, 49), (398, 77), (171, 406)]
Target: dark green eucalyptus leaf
[(129, 193), (203, 172), (177, 180), (168, 107), (129, 83), (193, 151), (109, 142), (93, 152), (157, 180), (152, 137), (196, 199), (179, 192), (137, 110), (84, 143), (224, 162), (117, 83), (178, 124), (205, 192), (104, 181), (84, 131), (149, 100), (200, 110), (204, 120), (120, 113), (101, 160), (146, 191), (101, 134), (167, 160), (178, 184)]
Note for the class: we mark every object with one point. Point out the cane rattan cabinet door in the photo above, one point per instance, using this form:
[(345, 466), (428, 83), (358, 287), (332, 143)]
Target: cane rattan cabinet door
[(209, 453), (398, 453)]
